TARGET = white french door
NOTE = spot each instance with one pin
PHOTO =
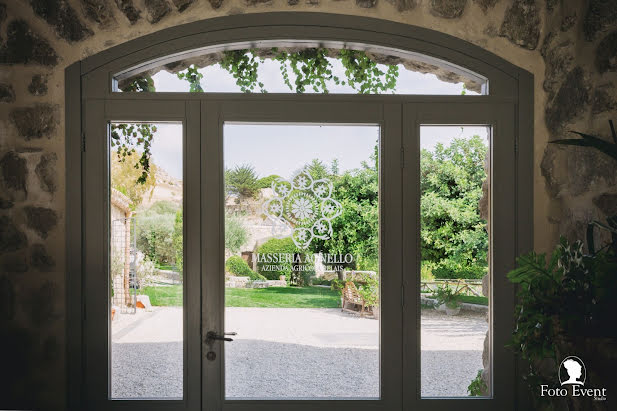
(293, 358)
(289, 358)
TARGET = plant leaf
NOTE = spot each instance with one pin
(590, 141)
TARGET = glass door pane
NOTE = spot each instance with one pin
(302, 268)
(146, 260)
(455, 263)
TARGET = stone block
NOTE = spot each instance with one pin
(558, 60)
(366, 4)
(600, 15)
(47, 172)
(40, 259)
(128, 9)
(486, 285)
(23, 46)
(38, 85)
(486, 4)
(182, 5)
(35, 122)
(607, 203)
(14, 263)
(157, 9)
(449, 9)
(603, 99)
(486, 351)
(570, 101)
(11, 238)
(14, 174)
(62, 17)
(7, 94)
(40, 219)
(98, 11)
(521, 24)
(256, 2)
(404, 5)
(606, 53)
(40, 304)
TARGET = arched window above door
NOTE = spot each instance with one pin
(301, 66)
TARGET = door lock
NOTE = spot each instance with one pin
(212, 336)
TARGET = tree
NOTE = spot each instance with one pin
(155, 232)
(356, 231)
(178, 240)
(453, 234)
(235, 233)
(124, 177)
(241, 181)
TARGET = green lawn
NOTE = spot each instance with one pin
(272, 297)
(165, 295)
(472, 299)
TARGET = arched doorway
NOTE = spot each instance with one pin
(205, 121)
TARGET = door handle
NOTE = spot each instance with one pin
(212, 336)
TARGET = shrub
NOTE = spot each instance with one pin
(236, 234)
(445, 295)
(236, 265)
(177, 240)
(426, 271)
(321, 281)
(145, 271)
(368, 288)
(449, 269)
(477, 387)
(276, 246)
(155, 237)
(266, 182)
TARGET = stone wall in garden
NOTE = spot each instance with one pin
(570, 46)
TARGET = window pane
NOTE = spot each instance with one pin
(301, 238)
(454, 170)
(301, 67)
(146, 260)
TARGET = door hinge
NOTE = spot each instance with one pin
(402, 157)
(402, 295)
(516, 145)
(83, 142)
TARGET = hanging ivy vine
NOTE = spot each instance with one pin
(243, 65)
(193, 77)
(125, 137)
(364, 74)
(311, 68)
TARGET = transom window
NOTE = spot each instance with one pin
(301, 67)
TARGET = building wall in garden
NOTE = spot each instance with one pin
(569, 46)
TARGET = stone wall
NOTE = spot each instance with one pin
(570, 46)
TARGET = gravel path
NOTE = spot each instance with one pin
(285, 353)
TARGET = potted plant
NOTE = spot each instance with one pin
(448, 300)
(566, 306)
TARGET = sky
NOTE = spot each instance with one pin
(219, 80)
(282, 149)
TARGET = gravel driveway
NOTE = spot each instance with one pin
(292, 353)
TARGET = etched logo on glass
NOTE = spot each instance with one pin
(302, 208)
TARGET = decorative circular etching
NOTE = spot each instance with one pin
(302, 208)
